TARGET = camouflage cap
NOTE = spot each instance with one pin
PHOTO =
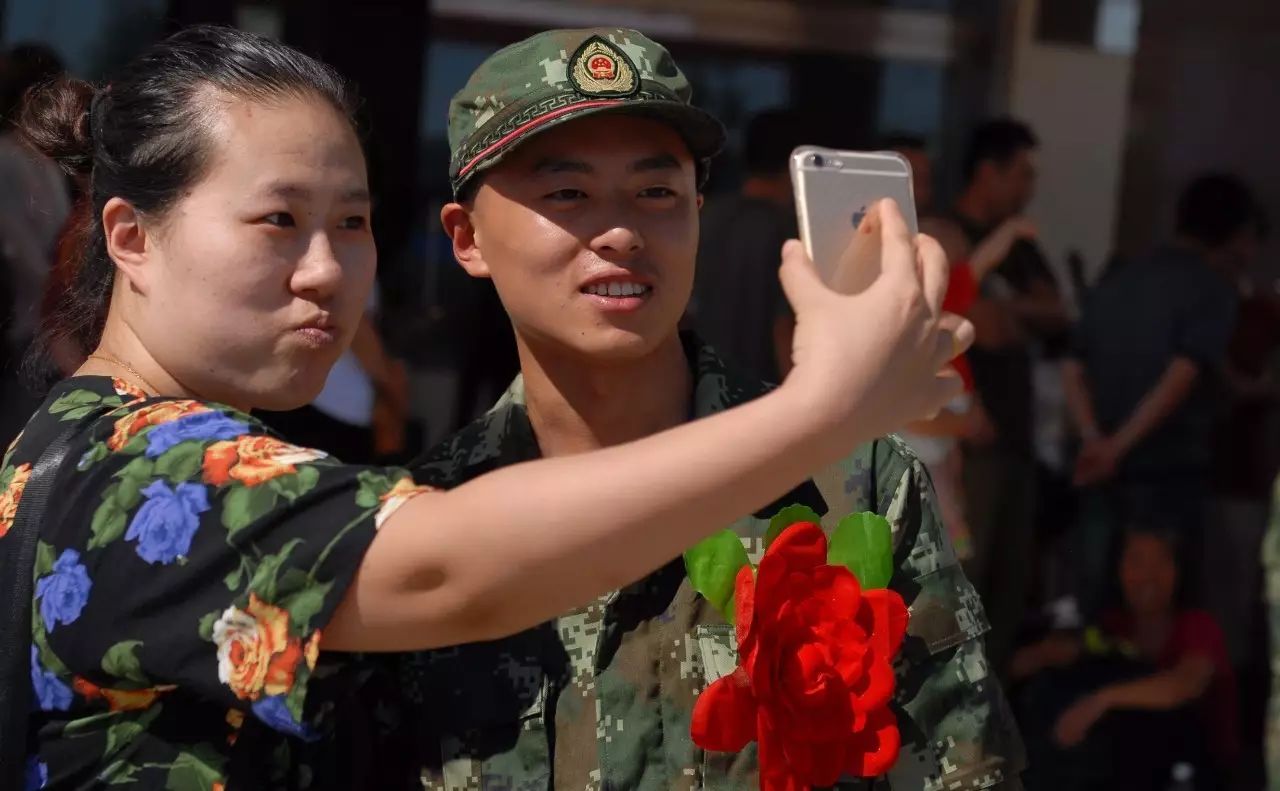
(560, 75)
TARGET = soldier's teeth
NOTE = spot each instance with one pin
(616, 289)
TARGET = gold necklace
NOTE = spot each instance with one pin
(107, 358)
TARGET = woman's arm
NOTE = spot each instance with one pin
(1162, 691)
(512, 548)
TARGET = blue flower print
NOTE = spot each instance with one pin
(37, 774)
(167, 521)
(275, 713)
(49, 691)
(64, 591)
(205, 426)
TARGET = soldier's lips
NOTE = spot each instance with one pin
(617, 295)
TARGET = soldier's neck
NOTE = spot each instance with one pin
(577, 405)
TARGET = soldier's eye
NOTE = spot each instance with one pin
(566, 195)
(657, 192)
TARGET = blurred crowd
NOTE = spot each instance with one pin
(1106, 478)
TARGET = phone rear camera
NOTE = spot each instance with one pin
(816, 160)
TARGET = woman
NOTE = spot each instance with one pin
(198, 581)
(1160, 677)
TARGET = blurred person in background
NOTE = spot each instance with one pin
(34, 205)
(937, 441)
(1150, 686)
(1017, 313)
(1244, 467)
(1147, 373)
(737, 305)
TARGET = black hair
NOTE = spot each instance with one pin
(998, 140)
(770, 138)
(144, 137)
(1215, 207)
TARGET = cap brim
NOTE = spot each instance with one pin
(702, 133)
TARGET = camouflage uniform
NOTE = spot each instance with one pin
(602, 697)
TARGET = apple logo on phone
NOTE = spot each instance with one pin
(858, 215)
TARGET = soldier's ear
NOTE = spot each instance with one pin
(456, 219)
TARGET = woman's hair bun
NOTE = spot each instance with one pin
(55, 121)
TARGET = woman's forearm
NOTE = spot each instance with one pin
(477, 563)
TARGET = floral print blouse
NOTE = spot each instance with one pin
(186, 566)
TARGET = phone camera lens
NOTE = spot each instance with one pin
(816, 160)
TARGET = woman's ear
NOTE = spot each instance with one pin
(127, 241)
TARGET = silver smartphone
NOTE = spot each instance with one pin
(833, 190)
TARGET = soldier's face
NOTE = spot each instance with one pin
(589, 232)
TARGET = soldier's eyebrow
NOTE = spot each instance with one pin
(658, 162)
(558, 165)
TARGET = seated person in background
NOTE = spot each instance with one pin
(1152, 686)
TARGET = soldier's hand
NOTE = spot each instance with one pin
(872, 350)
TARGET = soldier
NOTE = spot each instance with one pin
(577, 168)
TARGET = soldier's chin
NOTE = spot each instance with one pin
(618, 344)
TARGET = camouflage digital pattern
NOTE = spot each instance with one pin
(1271, 570)
(602, 698)
(560, 75)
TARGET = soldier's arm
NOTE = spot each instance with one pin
(957, 729)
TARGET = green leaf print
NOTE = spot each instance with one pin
(40, 637)
(182, 462)
(712, 565)
(232, 580)
(266, 575)
(372, 487)
(96, 453)
(304, 605)
(77, 412)
(244, 505)
(864, 543)
(6, 477)
(121, 661)
(140, 469)
(136, 445)
(109, 520)
(121, 734)
(206, 624)
(120, 773)
(45, 558)
(787, 517)
(291, 487)
(199, 768)
(74, 400)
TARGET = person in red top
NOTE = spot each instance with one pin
(936, 441)
(1184, 648)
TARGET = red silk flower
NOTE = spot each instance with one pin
(815, 676)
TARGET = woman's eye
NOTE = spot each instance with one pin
(566, 195)
(280, 219)
(355, 223)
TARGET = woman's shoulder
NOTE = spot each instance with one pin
(1199, 625)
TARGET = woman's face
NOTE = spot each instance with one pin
(253, 283)
(1148, 575)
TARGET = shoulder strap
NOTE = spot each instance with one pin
(17, 564)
